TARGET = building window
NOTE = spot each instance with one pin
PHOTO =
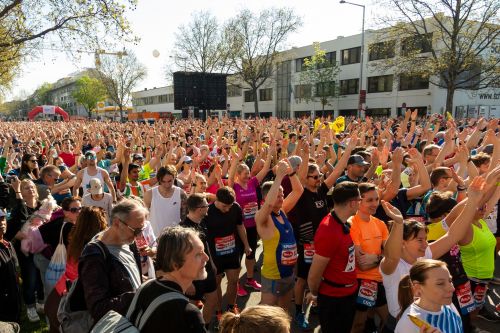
(349, 87)
(163, 99)
(421, 43)
(383, 50)
(249, 96)
(233, 91)
(324, 89)
(303, 91)
(170, 98)
(379, 112)
(351, 56)
(380, 84)
(330, 60)
(299, 64)
(407, 82)
(266, 94)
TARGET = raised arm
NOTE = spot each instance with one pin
(342, 163)
(393, 247)
(262, 215)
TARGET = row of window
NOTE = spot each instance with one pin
(159, 99)
(377, 51)
(264, 95)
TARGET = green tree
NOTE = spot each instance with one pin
(26, 24)
(119, 75)
(255, 42)
(42, 95)
(450, 42)
(88, 92)
(319, 75)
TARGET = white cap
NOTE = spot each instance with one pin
(95, 186)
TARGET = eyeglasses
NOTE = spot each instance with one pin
(90, 157)
(136, 231)
(75, 209)
(33, 161)
(315, 177)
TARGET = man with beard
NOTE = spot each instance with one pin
(84, 176)
(356, 169)
(181, 259)
(109, 267)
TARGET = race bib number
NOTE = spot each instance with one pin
(289, 254)
(350, 260)
(250, 210)
(367, 294)
(480, 295)
(465, 299)
(225, 245)
(308, 252)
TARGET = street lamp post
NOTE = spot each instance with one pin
(361, 57)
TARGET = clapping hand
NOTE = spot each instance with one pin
(392, 212)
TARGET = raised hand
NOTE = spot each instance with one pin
(283, 168)
(392, 212)
(475, 190)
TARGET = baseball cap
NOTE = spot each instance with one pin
(95, 186)
(187, 159)
(136, 157)
(295, 162)
(357, 159)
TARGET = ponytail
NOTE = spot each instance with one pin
(229, 322)
(405, 294)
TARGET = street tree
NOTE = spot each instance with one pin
(255, 42)
(42, 95)
(119, 75)
(451, 43)
(88, 92)
(200, 45)
(318, 78)
(29, 26)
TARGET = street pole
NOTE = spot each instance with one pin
(361, 56)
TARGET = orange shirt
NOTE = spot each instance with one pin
(370, 236)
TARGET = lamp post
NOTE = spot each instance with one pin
(362, 96)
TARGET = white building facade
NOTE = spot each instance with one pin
(386, 95)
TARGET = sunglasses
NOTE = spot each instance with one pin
(75, 209)
(315, 177)
(33, 161)
(90, 157)
(136, 231)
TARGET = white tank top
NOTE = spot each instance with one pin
(165, 212)
(86, 180)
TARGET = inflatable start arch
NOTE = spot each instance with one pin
(48, 109)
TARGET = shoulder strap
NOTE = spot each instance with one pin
(163, 298)
(131, 308)
(61, 233)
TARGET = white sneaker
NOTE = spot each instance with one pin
(40, 308)
(32, 315)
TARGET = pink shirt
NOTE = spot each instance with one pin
(247, 199)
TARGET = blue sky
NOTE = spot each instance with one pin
(156, 21)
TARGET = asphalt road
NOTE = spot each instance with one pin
(253, 298)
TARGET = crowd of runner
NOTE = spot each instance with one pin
(373, 225)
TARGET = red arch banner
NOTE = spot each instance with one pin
(48, 109)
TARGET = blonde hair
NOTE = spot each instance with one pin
(256, 319)
(26, 181)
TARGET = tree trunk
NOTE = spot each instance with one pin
(323, 110)
(450, 92)
(121, 113)
(255, 103)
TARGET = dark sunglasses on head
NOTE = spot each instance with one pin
(75, 209)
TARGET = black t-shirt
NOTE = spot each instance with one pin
(221, 230)
(400, 201)
(176, 315)
(50, 232)
(202, 229)
(308, 213)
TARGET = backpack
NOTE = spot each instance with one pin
(113, 322)
(75, 321)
